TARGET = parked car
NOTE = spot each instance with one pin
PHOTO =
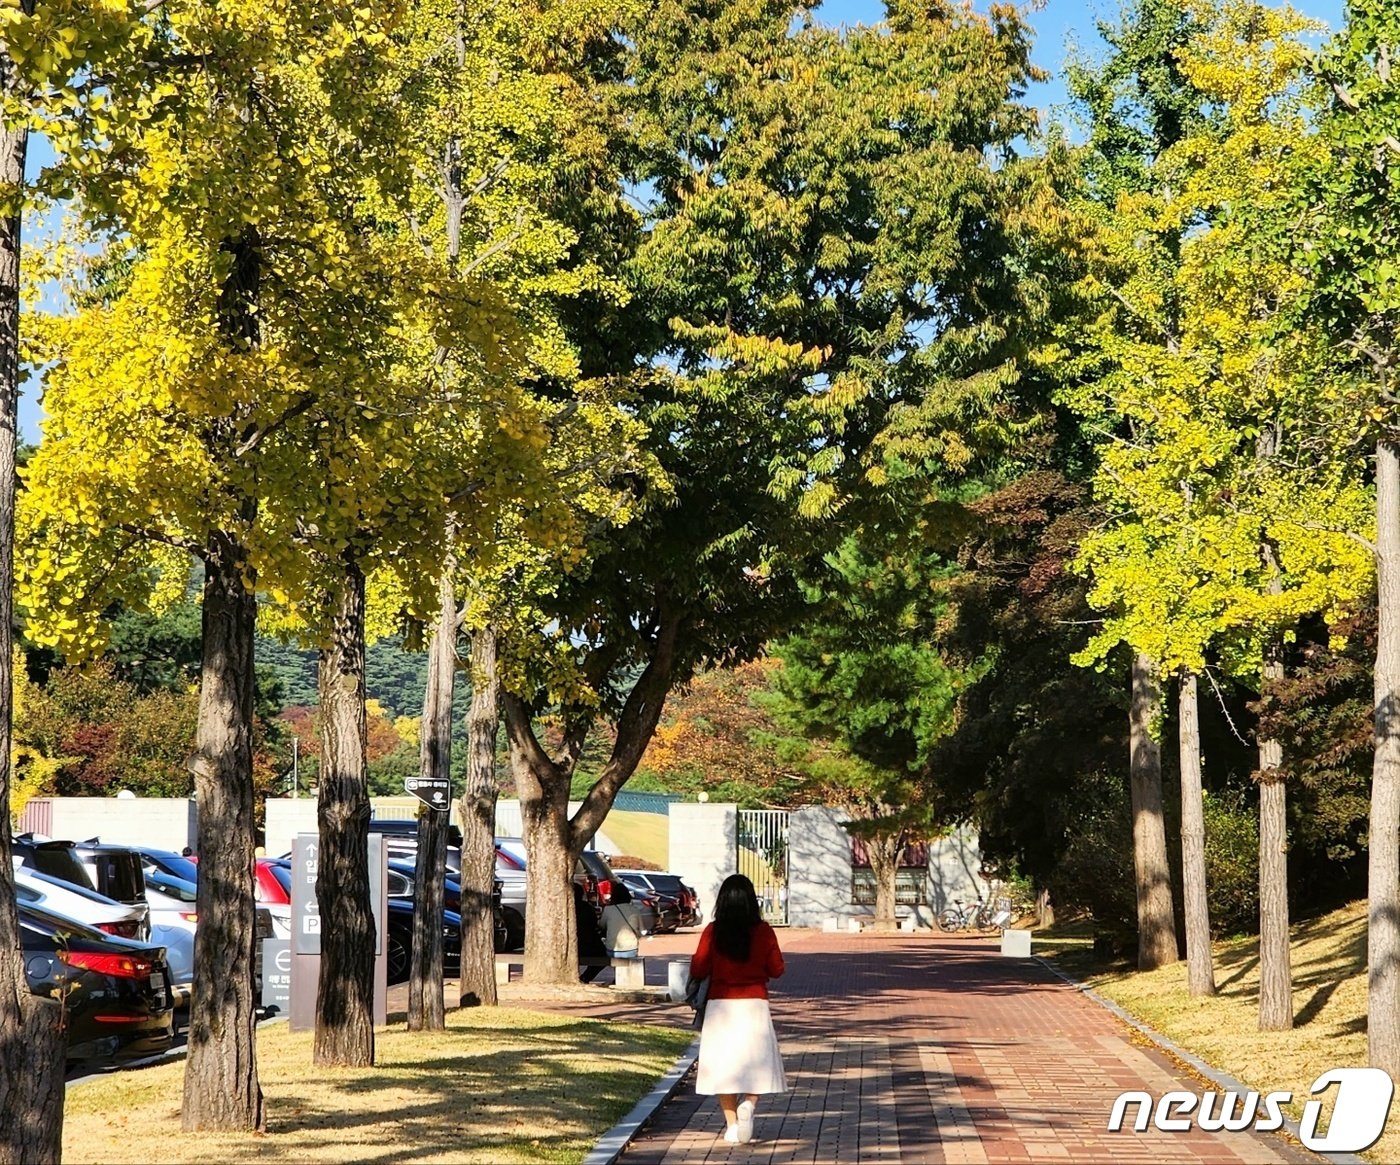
(400, 936)
(660, 914)
(115, 993)
(647, 909)
(116, 872)
(597, 878)
(272, 881)
(401, 841)
(173, 921)
(167, 861)
(403, 878)
(81, 904)
(54, 858)
(687, 900)
(400, 929)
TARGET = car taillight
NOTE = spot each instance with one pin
(121, 929)
(191, 917)
(604, 891)
(121, 966)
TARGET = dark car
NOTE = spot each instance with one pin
(57, 859)
(671, 886)
(400, 930)
(665, 911)
(403, 878)
(116, 871)
(401, 841)
(115, 992)
(401, 940)
(167, 861)
(593, 873)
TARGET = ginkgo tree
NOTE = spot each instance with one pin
(187, 396)
(517, 187)
(1234, 511)
(82, 74)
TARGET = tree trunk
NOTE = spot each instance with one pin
(32, 1045)
(1383, 932)
(1200, 972)
(1275, 964)
(345, 992)
(551, 940)
(884, 854)
(552, 840)
(31, 1083)
(479, 826)
(426, 1005)
(1044, 909)
(1156, 923)
(221, 1072)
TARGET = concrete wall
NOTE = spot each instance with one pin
(953, 864)
(157, 822)
(703, 848)
(819, 867)
(820, 870)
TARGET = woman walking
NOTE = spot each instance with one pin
(739, 1056)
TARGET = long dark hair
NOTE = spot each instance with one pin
(736, 914)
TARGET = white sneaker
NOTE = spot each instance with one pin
(745, 1126)
(731, 1135)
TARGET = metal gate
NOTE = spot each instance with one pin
(763, 859)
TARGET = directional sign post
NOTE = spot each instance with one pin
(434, 792)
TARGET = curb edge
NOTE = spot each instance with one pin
(611, 1144)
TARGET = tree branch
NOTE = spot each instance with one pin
(635, 728)
(164, 539)
(253, 436)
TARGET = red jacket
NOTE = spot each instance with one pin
(730, 979)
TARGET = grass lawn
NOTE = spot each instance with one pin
(1329, 1007)
(499, 1084)
(641, 835)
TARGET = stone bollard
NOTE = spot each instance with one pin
(1016, 943)
(677, 973)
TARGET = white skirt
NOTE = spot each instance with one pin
(739, 1049)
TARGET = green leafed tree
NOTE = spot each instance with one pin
(864, 679)
(1352, 240)
(831, 293)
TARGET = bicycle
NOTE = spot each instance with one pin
(965, 917)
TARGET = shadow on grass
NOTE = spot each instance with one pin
(501, 1089)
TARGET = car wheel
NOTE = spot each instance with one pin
(400, 942)
(515, 929)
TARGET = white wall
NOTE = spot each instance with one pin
(953, 865)
(703, 847)
(156, 822)
(819, 867)
(820, 870)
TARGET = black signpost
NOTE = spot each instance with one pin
(434, 792)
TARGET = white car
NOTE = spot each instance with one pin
(86, 906)
(173, 920)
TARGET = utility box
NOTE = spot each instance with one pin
(1016, 943)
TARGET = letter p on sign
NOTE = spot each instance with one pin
(1358, 1117)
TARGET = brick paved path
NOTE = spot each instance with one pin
(916, 1049)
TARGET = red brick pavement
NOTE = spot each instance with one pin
(935, 1049)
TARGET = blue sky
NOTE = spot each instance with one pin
(1057, 24)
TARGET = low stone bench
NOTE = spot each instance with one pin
(626, 972)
